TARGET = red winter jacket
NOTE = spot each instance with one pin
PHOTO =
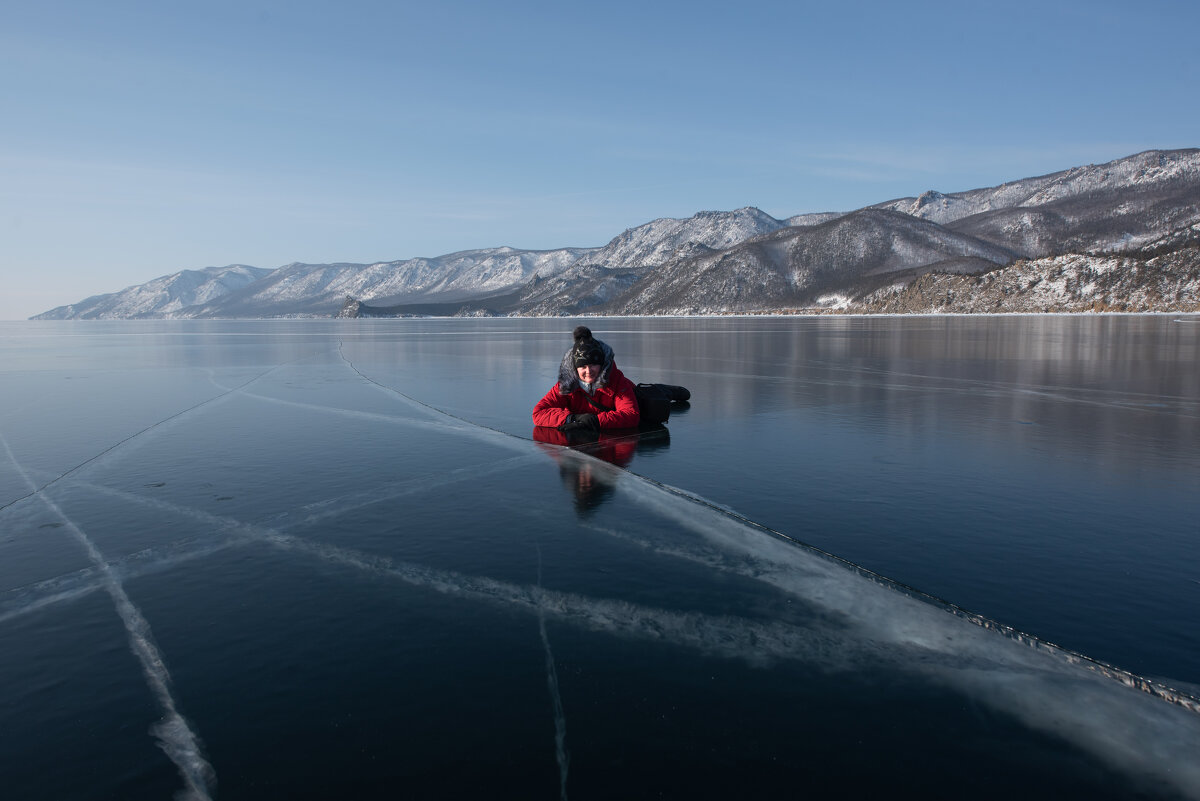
(616, 395)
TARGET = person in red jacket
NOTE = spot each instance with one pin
(591, 393)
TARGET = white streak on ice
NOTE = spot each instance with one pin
(463, 426)
(73, 586)
(334, 507)
(728, 637)
(172, 731)
(124, 445)
(868, 624)
(356, 414)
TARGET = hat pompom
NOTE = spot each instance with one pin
(582, 332)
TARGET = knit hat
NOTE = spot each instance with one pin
(587, 350)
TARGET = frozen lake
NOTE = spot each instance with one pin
(950, 557)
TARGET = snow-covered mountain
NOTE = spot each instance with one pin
(163, 297)
(742, 260)
(1153, 170)
(321, 289)
(1071, 283)
(1124, 204)
(795, 265)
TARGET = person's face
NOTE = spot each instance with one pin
(588, 373)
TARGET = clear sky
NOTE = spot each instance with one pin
(142, 138)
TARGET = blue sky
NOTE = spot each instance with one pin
(142, 138)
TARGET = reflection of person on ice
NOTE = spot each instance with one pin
(584, 477)
(591, 393)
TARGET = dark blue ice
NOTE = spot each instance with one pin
(306, 558)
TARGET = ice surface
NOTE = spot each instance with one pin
(173, 732)
(360, 470)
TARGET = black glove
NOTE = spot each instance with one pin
(584, 421)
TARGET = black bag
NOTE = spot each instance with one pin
(654, 402)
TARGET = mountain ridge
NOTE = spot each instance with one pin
(724, 262)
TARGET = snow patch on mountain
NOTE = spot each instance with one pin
(815, 218)
(661, 240)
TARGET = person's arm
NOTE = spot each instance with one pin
(626, 414)
(553, 409)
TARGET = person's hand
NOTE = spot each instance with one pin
(583, 421)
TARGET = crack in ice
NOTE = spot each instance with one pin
(172, 731)
(35, 489)
(560, 718)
